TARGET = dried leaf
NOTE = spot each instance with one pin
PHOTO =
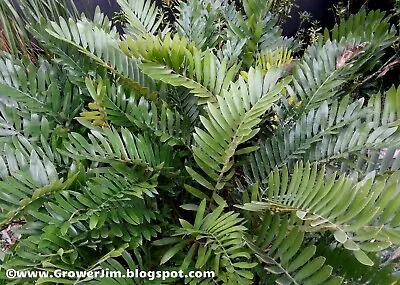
(349, 54)
(388, 67)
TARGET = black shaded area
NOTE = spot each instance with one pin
(108, 7)
(323, 12)
(320, 10)
(383, 5)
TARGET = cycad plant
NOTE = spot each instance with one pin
(202, 144)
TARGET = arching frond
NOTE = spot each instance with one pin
(102, 46)
(110, 146)
(232, 121)
(342, 135)
(360, 215)
(179, 63)
(321, 73)
(110, 206)
(373, 27)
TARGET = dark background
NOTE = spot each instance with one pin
(320, 10)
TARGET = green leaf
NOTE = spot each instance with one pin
(189, 207)
(173, 251)
(166, 241)
(200, 179)
(340, 236)
(185, 224)
(94, 219)
(247, 150)
(363, 258)
(200, 214)
(195, 192)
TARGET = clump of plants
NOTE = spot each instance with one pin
(202, 144)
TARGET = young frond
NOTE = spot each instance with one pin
(275, 58)
(176, 62)
(117, 105)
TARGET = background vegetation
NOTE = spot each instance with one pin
(210, 142)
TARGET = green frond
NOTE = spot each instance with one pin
(26, 180)
(373, 27)
(381, 273)
(179, 63)
(117, 146)
(102, 46)
(186, 103)
(143, 17)
(120, 211)
(195, 141)
(382, 156)
(274, 58)
(16, 148)
(360, 215)
(258, 27)
(30, 85)
(110, 206)
(116, 264)
(197, 22)
(232, 49)
(365, 37)
(286, 257)
(39, 88)
(323, 70)
(231, 122)
(343, 135)
(14, 121)
(119, 106)
(217, 239)
(257, 9)
(316, 79)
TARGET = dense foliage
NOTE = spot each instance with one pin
(200, 144)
